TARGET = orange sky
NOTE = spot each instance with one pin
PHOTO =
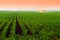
(29, 4)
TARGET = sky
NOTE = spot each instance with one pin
(29, 4)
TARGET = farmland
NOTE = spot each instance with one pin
(22, 25)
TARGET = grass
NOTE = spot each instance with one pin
(32, 25)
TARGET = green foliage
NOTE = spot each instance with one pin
(43, 26)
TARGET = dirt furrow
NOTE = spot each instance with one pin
(4, 25)
(18, 28)
(29, 32)
(9, 27)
